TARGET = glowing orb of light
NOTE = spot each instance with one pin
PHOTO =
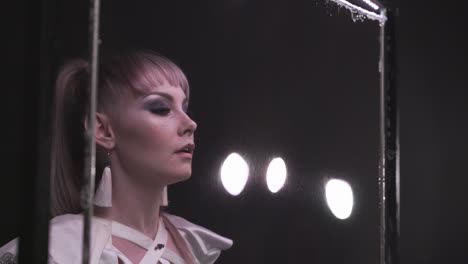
(339, 197)
(276, 175)
(234, 174)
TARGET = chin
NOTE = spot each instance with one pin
(181, 176)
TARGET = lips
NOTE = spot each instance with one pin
(189, 148)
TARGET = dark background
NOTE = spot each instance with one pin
(297, 79)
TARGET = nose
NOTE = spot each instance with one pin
(188, 126)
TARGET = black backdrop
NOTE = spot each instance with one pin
(241, 57)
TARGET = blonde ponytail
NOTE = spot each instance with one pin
(70, 104)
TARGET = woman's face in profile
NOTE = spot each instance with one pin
(154, 136)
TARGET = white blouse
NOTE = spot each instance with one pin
(65, 242)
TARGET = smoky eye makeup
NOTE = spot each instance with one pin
(157, 106)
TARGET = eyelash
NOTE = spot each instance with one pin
(161, 111)
(164, 110)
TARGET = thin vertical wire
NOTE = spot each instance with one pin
(389, 182)
(87, 194)
(382, 193)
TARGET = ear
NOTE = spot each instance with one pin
(103, 131)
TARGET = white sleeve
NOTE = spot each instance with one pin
(8, 253)
(205, 245)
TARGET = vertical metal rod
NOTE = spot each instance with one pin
(87, 194)
(389, 177)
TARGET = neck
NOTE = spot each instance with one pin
(133, 204)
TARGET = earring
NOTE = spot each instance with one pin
(164, 200)
(103, 195)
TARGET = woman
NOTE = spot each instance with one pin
(145, 141)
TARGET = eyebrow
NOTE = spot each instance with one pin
(167, 96)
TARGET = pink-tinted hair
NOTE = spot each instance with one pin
(121, 75)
